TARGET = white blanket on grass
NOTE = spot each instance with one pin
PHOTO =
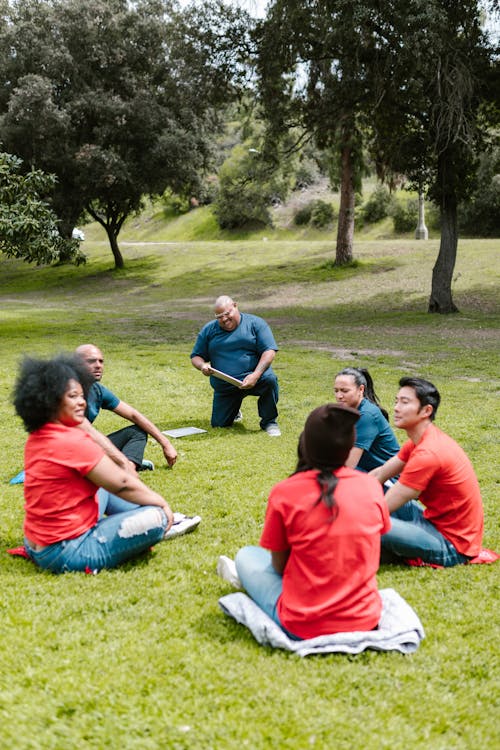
(399, 628)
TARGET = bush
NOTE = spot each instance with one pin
(307, 173)
(319, 213)
(322, 214)
(480, 215)
(303, 215)
(377, 206)
(248, 185)
(405, 215)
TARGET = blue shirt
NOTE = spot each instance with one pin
(234, 352)
(99, 398)
(375, 436)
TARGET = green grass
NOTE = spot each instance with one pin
(142, 657)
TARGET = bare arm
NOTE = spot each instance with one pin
(354, 457)
(109, 449)
(265, 361)
(398, 495)
(126, 485)
(128, 412)
(201, 365)
(391, 468)
(279, 560)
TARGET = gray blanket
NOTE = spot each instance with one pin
(399, 628)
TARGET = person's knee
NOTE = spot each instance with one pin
(251, 558)
(142, 521)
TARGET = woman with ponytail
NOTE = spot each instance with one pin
(375, 441)
(315, 570)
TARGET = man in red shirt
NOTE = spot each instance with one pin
(432, 467)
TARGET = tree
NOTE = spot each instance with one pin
(411, 78)
(432, 119)
(316, 64)
(28, 226)
(116, 98)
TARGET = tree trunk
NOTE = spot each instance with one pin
(113, 241)
(442, 274)
(345, 228)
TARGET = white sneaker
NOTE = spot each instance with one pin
(238, 417)
(182, 525)
(272, 429)
(146, 465)
(226, 569)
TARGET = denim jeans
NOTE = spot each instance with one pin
(125, 532)
(131, 441)
(412, 535)
(259, 579)
(227, 401)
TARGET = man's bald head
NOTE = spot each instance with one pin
(227, 313)
(92, 358)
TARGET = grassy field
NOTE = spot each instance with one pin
(142, 657)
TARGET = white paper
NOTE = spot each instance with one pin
(182, 431)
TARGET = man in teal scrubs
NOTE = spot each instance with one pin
(241, 345)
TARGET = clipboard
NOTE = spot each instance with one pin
(228, 378)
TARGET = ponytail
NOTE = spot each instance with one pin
(328, 482)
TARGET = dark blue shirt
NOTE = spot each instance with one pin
(99, 398)
(234, 352)
(375, 436)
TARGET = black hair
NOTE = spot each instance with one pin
(426, 392)
(328, 482)
(302, 464)
(325, 478)
(41, 384)
(362, 377)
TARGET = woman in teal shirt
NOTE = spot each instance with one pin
(375, 441)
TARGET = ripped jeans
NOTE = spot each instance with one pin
(125, 532)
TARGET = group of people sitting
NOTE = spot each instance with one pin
(355, 497)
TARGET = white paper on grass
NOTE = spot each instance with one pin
(182, 431)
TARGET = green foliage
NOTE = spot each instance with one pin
(480, 215)
(248, 186)
(142, 657)
(319, 213)
(404, 214)
(322, 214)
(303, 215)
(28, 226)
(117, 99)
(377, 206)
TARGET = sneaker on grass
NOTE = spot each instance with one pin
(146, 465)
(226, 569)
(238, 417)
(182, 525)
(272, 429)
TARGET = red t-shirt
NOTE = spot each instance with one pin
(329, 582)
(441, 471)
(60, 503)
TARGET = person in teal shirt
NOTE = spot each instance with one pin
(241, 345)
(375, 440)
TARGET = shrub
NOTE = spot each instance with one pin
(404, 215)
(480, 215)
(377, 205)
(322, 214)
(303, 215)
(306, 174)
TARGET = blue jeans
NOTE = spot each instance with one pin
(227, 401)
(260, 580)
(131, 441)
(125, 532)
(412, 535)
